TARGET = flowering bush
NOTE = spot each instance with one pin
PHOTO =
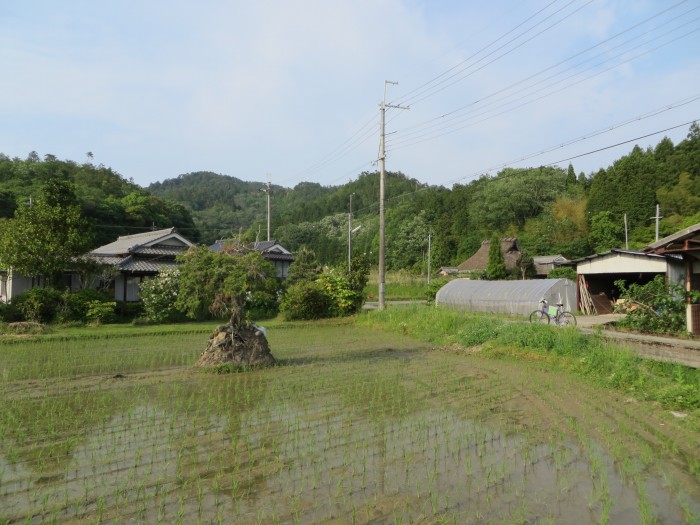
(158, 296)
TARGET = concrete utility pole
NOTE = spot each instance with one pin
(382, 160)
(658, 217)
(428, 258)
(350, 232)
(268, 189)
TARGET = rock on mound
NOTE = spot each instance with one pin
(241, 346)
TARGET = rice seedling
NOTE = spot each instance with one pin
(355, 425)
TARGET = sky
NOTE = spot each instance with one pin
(291, 90)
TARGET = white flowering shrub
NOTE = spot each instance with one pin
(158, 296)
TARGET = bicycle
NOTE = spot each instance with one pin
(547, 314)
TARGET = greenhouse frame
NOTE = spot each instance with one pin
(507, 297)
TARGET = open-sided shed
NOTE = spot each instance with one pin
(508, 297)
(598, 273)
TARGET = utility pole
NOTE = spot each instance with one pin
(658, 217)
(268, 189)
(382, 161)
(626, 243)
(350, 233)
(428, 258)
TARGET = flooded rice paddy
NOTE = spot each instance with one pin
(355, 426)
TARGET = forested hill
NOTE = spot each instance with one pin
(223, 205)
(549, 209)
(111, 204)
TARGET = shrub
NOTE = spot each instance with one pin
(306, 300)
(75, 305)
(562, 272)
(261, 305)
(434, 288)
(128, 312)
(653, 307)
(39, 304)
(344, 300)
(9, 313)
(99, 312)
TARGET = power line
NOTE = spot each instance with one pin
(419, 88)
(465, 122)
(510, 163)
(520, 82)
(503, 101)
(456, 78)
(363, 134)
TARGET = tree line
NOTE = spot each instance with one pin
(549, 209)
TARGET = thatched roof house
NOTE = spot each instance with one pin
(480, 260)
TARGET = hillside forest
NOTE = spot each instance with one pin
(549, 209)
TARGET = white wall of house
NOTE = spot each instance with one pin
(17, 284)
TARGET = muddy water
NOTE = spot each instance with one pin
(381, 437)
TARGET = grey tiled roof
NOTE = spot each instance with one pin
(127, 243)
(160, 250)
(131, 264)
(142, 252)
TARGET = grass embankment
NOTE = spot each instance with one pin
(589, 356)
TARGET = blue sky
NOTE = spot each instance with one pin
(159, 88)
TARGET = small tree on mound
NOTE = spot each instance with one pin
(220, 283)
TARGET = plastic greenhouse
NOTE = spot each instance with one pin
(508, 297)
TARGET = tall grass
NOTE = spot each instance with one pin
(401, 285)
(590, 356)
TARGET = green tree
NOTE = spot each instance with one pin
(496, 267)
(525, 264)
(514, 196)
(357, 279)
(304, 268)
(606, 233)
(627, 187)
(42, 239)
(682, 199)
(8, 204)
(220, 283)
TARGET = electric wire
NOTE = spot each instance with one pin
(503, 165)
(607, 40)
(458, 77)
(424, 85)
(362, 135)
(464, 122)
